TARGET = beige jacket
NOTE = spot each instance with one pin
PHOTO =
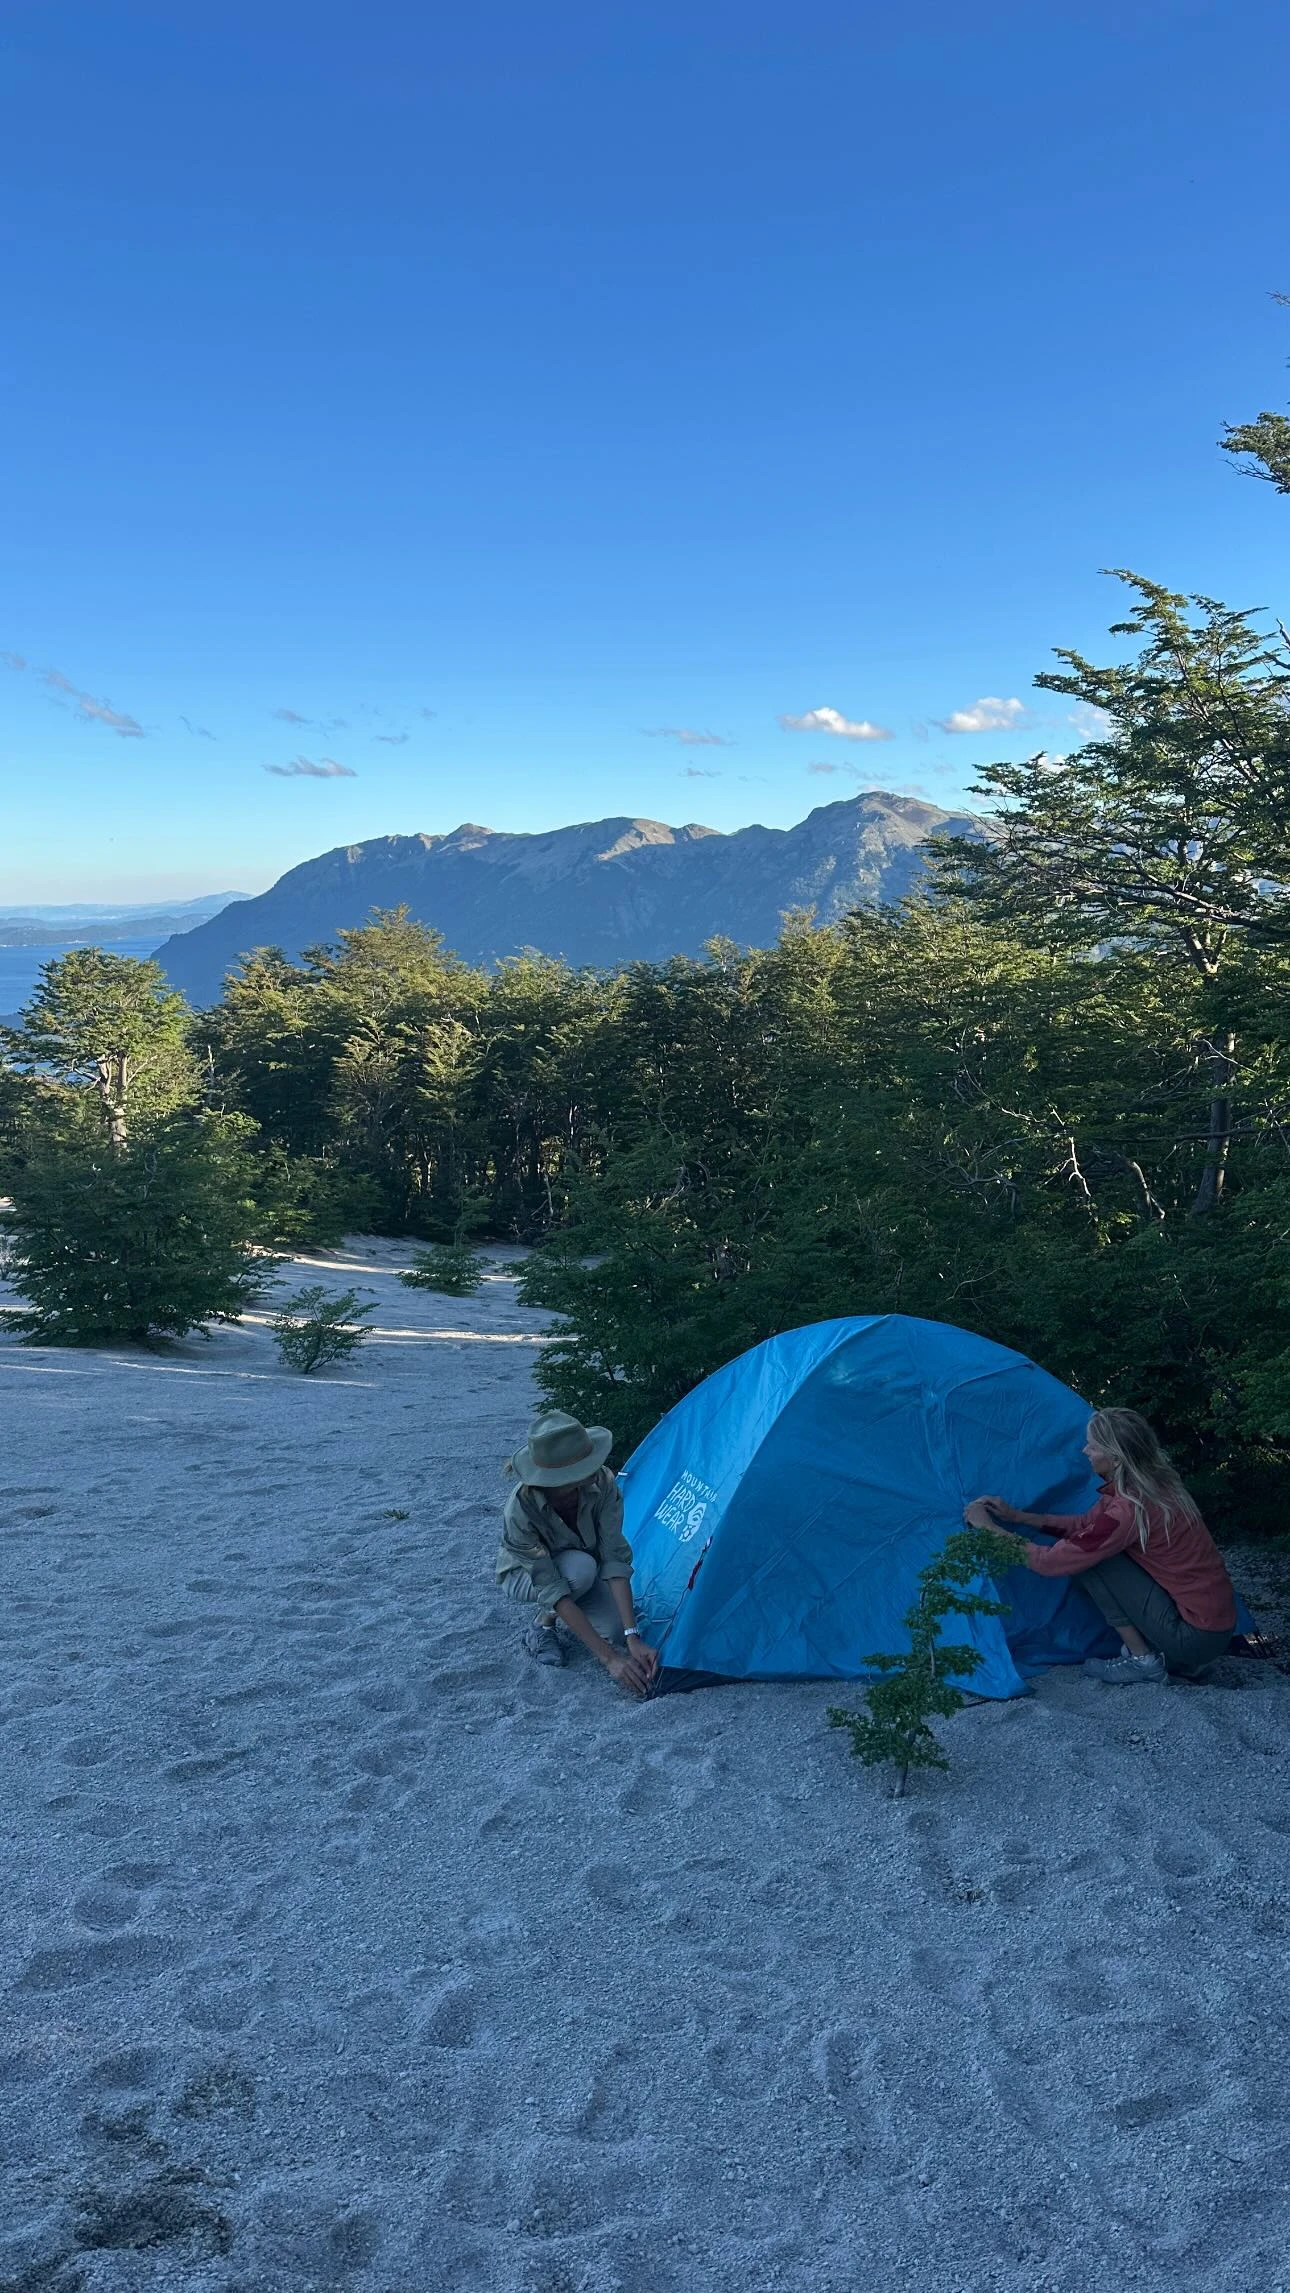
(532, 1532)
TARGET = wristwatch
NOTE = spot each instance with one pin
(631, 1632)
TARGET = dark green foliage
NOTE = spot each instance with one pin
(109, 1245)
(313, 1200)
(965, 1127)
(111, 1023)
(912, 1689)
(452, 1267)
(315, 1327)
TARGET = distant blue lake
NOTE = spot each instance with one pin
(20, 966)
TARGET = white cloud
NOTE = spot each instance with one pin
(304, 768)
(687, 736)
(1090, 723)
(14, 660)
(833, 721)
(701, 772)
(821, 766)
(989, 714)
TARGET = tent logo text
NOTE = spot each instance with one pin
(684, 1506)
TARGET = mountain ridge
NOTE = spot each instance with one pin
(596, 892)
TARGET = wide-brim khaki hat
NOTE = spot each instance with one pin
(560, 1451)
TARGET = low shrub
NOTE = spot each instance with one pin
(893, 1729)
(452, 1267)
(317, 1327)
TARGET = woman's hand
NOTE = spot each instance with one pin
(989, 1512)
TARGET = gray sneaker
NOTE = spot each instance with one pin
(1126, 1671)
(542, 1642)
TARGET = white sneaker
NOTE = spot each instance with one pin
(1126, 1671)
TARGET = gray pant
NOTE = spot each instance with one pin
(1127, 1595)
(586, 1585)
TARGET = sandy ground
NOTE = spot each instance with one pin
(343, 1946)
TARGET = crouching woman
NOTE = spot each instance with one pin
(563, 1548)
(1142, 1553)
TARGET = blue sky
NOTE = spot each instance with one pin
(481, 399)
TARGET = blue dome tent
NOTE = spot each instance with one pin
(780, 1514)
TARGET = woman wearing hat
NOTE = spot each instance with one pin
(563, 1547)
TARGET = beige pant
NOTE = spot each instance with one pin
(586, 1585)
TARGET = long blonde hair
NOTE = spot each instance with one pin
(1140, 1470)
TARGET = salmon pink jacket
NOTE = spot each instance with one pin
(1181, 1555)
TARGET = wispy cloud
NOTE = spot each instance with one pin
(687, 736)
(312, 724)
(1090, 723)
(701, 772)
(833, 721)
(393, 739)
(89, 708)
(199, 732)
(304, 768)
(821, 765)
(427, 713)
(92, 711)
(102, 713)
(990, 714)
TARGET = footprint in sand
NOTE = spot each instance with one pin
(225, 2089)
(135, 1875)
(1177, 1863)
(842, 2060)
(610, 2109)
(69, 1965)
(1083, 1995)
(648, 1791)
(129, 2069)
(157, 2212)
(106, 1906)
(1154, 2108)
(86, 1751)
(616, 1887)
(204, 1765)
(506, 1822)
(449, 2019)
(387, 1699)
(220, 2008)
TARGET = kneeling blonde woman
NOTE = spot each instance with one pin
(1142, 1553)
(563, 1548)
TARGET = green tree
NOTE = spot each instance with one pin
(1169, 830)
(111, 1022)
(108, 1244)
(894, 1729)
